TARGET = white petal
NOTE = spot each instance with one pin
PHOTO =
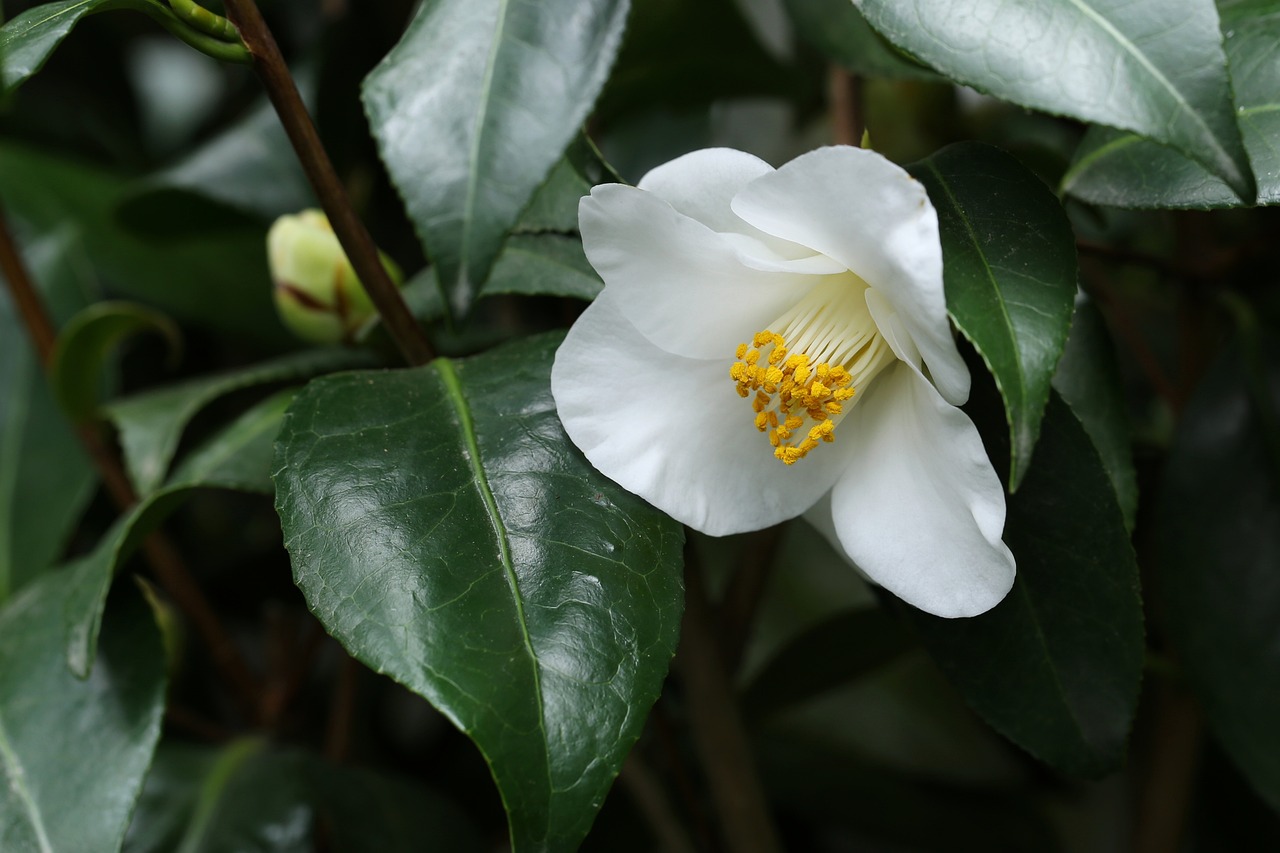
(702, 184)
(920, 508)
(865, 212)
(682, 285)
(674, 431)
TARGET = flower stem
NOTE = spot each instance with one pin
(354, 237)
(164, 559)
(719, 735)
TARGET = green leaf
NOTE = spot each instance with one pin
(45, 475)
(1124, 170)
(1155, 67)
(472, 109)
(237, 458)
(223, 274)
(151, 423)
(85, 345)
(840, 33)
(1009, 264)
(546, 265)
(73, 753)
(445, 530)
(249, 167)
(554, 207)
(248, 796)
(1218, 528)
(1088, 379)
(32, 37)
(1056, 666)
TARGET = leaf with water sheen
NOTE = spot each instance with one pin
(473, 108)
(1056, 666)
(1124, 170)
(1155, 67)
(1009, 264)
(73, 753)
(446, 531)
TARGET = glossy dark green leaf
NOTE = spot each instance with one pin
(224, 280)
(237, 458)
(1009, 263)
(1056, 666)
(1088, 379)
(445, 530)
(472, 109)
(1155, 67)
(546, 265)
(151, 423)
(554, 207)
(73, 753)
(1218, 527)
(831, 653)
(45, 476)
(86, 344)
(31, 37)
(838, 30)
(1125, 170)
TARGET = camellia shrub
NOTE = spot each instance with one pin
(639, 425)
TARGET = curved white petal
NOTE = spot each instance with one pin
(919, 507)
(702, 184)
(862, 210)
(682, 285)
(674, 431)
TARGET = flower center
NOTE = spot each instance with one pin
(803, 379)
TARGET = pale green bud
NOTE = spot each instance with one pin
(317, 293)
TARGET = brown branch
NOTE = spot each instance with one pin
(1170, 773)
(337, 739)
(846, 106)
(164, 559)
(647, 793)
(351, 233)
(719, 735)
(737, 611)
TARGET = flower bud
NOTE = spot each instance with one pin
(317, 293)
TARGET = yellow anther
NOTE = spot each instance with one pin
(762, 421)
(741, 351)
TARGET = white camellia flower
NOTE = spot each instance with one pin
(775, 342)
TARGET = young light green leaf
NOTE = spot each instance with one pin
(151, 423)
(86, 343)
(1155, 67)
(445, 530)
(1056, 666)
(237, 458)
(73, 753)
(1124, 170)
(1088, 379)
(45, 475)
(1009, 263)
(1218, 527)
(472, 109)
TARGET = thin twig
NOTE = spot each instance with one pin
(351, 233)
(717, 729)
(164, 559)
(1170, 773)
(337, 740)
(847, 118)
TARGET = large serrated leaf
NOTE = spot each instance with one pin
(1155, 67)
(1124, 170)
(472, 109)
(73, 753)
(1009, 263)
(1056, 666)
(45, 475)
(445, 530)
(28, 40)
(1218, 526)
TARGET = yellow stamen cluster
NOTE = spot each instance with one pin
(788, 393)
